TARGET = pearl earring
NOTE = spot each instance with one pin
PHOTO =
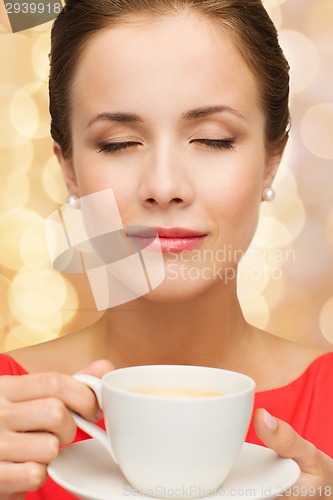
(72, 201)
(268, 194)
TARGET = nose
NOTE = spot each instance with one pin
(165, 182)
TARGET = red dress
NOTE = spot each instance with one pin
(306, 403)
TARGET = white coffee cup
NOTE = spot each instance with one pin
(174, 444)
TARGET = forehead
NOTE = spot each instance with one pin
(181, 60)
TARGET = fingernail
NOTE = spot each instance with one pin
(99, 414)
(270, 421)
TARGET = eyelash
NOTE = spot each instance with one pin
(217, 143)
(114, 147)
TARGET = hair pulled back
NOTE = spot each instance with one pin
(246, 21)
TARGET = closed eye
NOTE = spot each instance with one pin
(217, 143)
(113, 147)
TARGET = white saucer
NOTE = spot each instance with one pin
(87, 471)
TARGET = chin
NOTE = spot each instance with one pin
(179, 290)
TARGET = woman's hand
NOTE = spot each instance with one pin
(316, 479)
(35, 421)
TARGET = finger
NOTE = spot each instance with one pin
(14, 496)
(72, 393)
(50, 415)
(18, 478)
(98, 368)
(23, 447)
(282, 438)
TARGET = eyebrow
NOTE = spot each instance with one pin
(188, 115)
(210, 110)
(116, 117)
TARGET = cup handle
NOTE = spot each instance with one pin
(95, 384)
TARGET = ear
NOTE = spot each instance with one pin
(67, 169)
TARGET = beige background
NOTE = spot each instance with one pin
(286, 283)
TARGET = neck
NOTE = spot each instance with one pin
(209, 330)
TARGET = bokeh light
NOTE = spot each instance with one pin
(16, 67)
(303, 58)
(313, 257)
(39, 56)
(281, 223)
(274, 11)
(22, 336)
(4, 21)
(33, 247)
(16, 160)
(319, 21)
(42, 299)
(25, 114)
(9, 136)
(326, 320)
(53, 182)
(317, 130)
(12, 225)
(255, 307)
(5, 316)
(273, 3)
(27, 293)
(14, 192)
(329, 226)
(315, 172)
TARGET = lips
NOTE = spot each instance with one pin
(174, 239)
(177, 232)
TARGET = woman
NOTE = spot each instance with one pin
(182, 109)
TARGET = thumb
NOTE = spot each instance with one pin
(282, 438)
(98, 368)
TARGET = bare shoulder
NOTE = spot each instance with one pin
(287, 361)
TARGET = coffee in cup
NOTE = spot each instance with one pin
(173, 392)
(181, 435)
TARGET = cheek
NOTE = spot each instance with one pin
(234, 204)
(93, 175)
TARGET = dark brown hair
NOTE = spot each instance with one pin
(246, 20)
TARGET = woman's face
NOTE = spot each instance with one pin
(166, 113)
